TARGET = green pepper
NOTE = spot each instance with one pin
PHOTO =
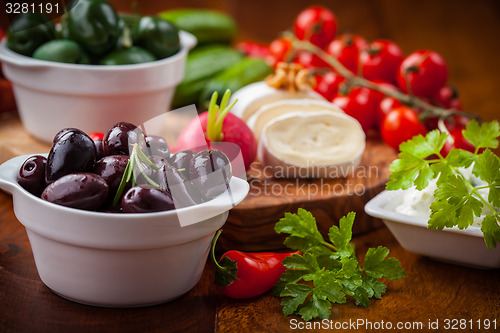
(158, 36)
(94, 24)
(128, 56)
(28, 31)
(62, 50)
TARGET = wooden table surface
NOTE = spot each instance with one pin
(467, 35)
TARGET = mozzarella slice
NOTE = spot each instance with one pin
(320, 144)
(253, 96)
(268, 112)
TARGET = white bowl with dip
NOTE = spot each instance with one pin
(463, 247)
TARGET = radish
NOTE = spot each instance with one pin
(219, 125)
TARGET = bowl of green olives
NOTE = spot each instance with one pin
(92, 70)
(121, 221)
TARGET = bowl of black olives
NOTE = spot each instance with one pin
(121, 221)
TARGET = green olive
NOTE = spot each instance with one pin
(128, 56)
(62, 50)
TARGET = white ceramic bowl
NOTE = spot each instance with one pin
(52, 95)
(463, 247)
(118, 260)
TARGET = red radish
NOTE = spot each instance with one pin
(220, 126)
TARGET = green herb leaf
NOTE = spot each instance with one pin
(376, 287)
(328, 272)
(315, 308)
(482, 136)
(377, 265)
(405, 170)
(328, 287)
(491, 231)
(487, 167)
(423, 147)
(454, 198)
(340, 237)
(304, 234)
(295, 294)
(305, 263)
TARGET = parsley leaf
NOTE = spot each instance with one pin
(491, 231)
(377, 265)
(455, 200)
(305, 234)
(423, 147)
(328, 272)
(482, 136)
(487, 167)
(412, 168)
(340, 237)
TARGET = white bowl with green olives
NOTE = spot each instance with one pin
(96, 244)
(92, 95)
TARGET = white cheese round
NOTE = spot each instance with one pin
(268, 112)
(253, 96)
(319, 144)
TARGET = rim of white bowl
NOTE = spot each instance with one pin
(187, 41)
(217, 203)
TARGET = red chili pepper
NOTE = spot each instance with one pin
(246, 275)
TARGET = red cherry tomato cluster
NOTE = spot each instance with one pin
(423, 74)
(7, 101)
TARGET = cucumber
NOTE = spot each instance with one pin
(243, 73)
(208, 26)
(202, 64)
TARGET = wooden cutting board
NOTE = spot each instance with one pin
(250, 226)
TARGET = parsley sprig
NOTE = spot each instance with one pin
(328, 271)
(457, 200)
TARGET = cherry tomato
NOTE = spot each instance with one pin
(386, 105)
(360, 103)
(424, 72)
(309, 60)
(381, 60)
(400, 125)
(327, 85)
(456, 140)
(447, 97)
(316, 24)
(96, 136)
(346, 48)
(7, 100)
(363, 103)
(280, 49)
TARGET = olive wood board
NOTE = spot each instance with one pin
(250, 225)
